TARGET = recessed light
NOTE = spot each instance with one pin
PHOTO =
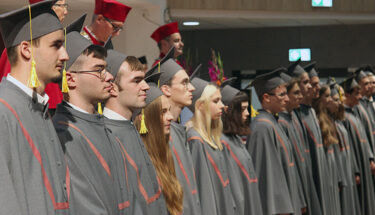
(190, 23)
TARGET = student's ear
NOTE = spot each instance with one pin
(166, 90)
(24, 49)
(71, 80)
(266, 98)
(199, 105)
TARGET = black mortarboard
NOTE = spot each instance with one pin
(295, 70)
(310, 69)
(286, 77)
(75, 42)
(331, 82)
(114, 61)
(265, 83)
(15, 25)
(199, 85)
(196, 72)
(368, 70)
(143, 59)
(227, 94)
(359, 74)
(348, 84)
(155, 68)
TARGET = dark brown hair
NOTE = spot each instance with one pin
(161, 156)
(134, 64)
(232, 118)
(327, 125)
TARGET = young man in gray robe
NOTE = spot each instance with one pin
(272, 153)
(174, 83)
(128, 95)
(360, 145)
(34, 177)
(98, 169)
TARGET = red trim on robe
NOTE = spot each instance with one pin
(140, 185)
(37, 155)
(125, 204)
(93, 148)
(183, 170)
(356, 131)
(300, 134)
(279, 138)
(311, 134)
(243, 169)
(224, 183)
(294, 142)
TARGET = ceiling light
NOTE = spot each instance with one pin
(190, 23)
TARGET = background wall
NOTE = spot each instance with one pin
(267, 48)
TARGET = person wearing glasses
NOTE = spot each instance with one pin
(271, 150)
(52, 89)
(107, 21)
(97, 168)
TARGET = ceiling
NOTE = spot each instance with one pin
(259, 19)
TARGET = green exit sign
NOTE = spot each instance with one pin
(322, 3)
(303, 54)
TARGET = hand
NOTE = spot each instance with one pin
(357, 179)
(372, 165)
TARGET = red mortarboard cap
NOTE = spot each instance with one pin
(164, 31)
(34, 1)
(112, 9)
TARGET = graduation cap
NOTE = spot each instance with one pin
(265, 83)
(114, 60)
(112, 9)
(15, 25)
(164, 31)
(75, 42)
(27, 24)
(310, 69)
(368, 70)
(228, 92)
(359, 74)
(199, 85)
(143, 59)
(295, 70)
(35, 1)
(349, 84)
(286, 77)
(331, 82)
(168, 67)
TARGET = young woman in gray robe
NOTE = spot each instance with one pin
(244, 181)
(209, 158)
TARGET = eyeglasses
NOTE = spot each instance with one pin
(102, 73)
(115, 27)
(61, 5)
(185, 83)
(281, 95)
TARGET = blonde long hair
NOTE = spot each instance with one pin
(161, 156)
(210, 130)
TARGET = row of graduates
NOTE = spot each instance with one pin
(312, 143)
(132, 157)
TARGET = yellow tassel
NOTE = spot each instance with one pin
(64, 86)
(340, 95)
(143, 129)
(159, 72)
(100, 111)
(254, 112)
(33, 81)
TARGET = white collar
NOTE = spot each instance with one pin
(77, 108)
(41, 99)
(110, 114)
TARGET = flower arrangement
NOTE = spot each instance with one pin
(216, 69)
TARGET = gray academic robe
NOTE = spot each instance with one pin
(96, 164)
(365, 114)
(34, 178)
(211, 167)
(183, 163)
(319, 167)
(267, 148)
(142, 175)
(288, 122)
(335, 180)
(363, 155)
(244, 181)
(347, 166)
